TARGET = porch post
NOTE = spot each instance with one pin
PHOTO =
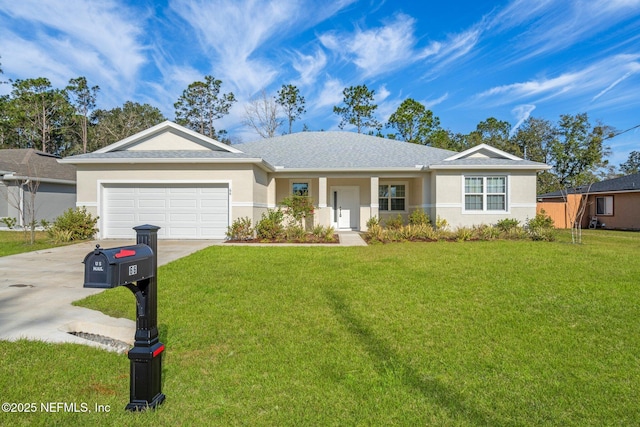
(323, 210)
(375, 206)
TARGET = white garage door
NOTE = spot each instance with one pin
(183, 211)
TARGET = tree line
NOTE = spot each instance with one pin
(67, 121)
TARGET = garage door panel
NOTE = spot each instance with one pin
(183, 204)
(152, 217)
(182, 211)
(183, 217)
(158, 204)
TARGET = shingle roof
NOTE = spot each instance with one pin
(342, 150)
(623, 183)
(28, 162)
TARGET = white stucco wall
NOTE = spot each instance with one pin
(448, 189)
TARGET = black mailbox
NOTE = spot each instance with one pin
(108, 268)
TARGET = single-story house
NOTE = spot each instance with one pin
(614, 203)
(195, 187)
(29, 176)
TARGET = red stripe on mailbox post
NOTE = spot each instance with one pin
(158, 350)
(125, 253)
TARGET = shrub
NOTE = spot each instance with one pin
(295, 232)
(486, 232)
(441, 224)
(240, 229)
(394, 223)
(374, 220)
(463, 234)
(76, 223)
(270, 225)
(298, 207)
(541, 227)
(419, 217)
(60, 236)
(507, 224)
(325, 234)
(375, 233)
(9, 222)
(541, 220)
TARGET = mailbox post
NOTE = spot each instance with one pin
(135, 268)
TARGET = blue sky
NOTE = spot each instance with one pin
(466, 60)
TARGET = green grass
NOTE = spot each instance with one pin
(502, 333)
(13, 242)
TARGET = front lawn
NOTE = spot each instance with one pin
(500, 333)
(13, 242)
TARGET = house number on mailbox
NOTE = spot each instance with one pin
(133, 269)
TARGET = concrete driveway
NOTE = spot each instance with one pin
(37, 289)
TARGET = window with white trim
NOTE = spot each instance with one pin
(604, 205)
(392, 197)
(485, 193)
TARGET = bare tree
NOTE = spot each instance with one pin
(576, 208)
(22, 197)
(261, 114)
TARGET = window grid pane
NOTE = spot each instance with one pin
(397, 204)
(495, 203)
(384, 204)
(473, 185)
(473, 203)
(495, 185)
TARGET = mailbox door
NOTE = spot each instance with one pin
(97, 272)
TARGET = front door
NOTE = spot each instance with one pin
(346, 207)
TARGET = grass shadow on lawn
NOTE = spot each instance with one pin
(385, 359)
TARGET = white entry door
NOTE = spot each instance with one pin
(346, 207)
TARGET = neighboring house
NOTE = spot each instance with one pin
(614, 203)
(28, 175)
(194, 187)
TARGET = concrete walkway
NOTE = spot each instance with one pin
(351, 238)
(37, 289)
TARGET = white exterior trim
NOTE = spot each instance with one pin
(163, 127)
(484, 210)
(481, 147)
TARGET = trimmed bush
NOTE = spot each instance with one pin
(240, 229)
(507, 224)
(419, 217)
(394, 223)
(73, 224)
(271, 225)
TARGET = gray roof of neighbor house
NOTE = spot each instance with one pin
(627, 183)
(30, 163)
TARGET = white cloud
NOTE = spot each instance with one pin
(379, 50)
(553, 26)
(522, 113)
(309, 66)
(429, 104)
(596, 78)
(236, 31)
(330, 95)
(102, 34)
